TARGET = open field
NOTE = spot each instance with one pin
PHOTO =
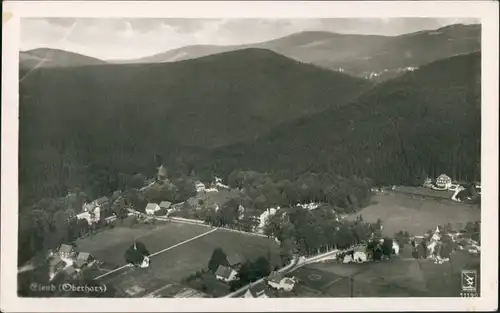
(402, 212)
(174, 265)
(110, 245)
(399, 277)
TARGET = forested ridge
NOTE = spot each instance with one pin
(424, 123)
(114, 118)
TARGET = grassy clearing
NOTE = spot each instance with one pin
(110, 246)
(175, 265)
(402, 212)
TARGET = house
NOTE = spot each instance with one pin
(443, 182)
(211, 189)
(66, 251)
(56, 263)
(110, 219)
(101, 201)
(278, 281)
(162, 173)
(85, 257)
(225, 273)
(200, 187)
(87, 206)
(165, 205)
(258, 291)
(266, 215)
(309, 206)
(151, 208)
(145, 262)
(360, 254)
(85, 216)
(395, 247)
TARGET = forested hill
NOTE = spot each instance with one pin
(121, 115)
(45, 57)
(425, 122)
(359, 55)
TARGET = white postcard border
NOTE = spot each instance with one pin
(487, 11)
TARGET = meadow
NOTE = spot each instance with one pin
(416, 215)
(174, 265)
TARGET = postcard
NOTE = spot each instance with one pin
(249, 156)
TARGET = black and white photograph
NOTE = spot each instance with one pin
(273, 158)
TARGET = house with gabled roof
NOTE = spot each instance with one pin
(151, 208)
(278, 281)
(101, 201)
(165, 205)
(56, 263)
(257, 291)
(82, 259)
(66, 251)
(225, 273)
(443, 182)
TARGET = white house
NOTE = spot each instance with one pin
(221, 185)
(309, 206)
(395, 247)
(225, 273)
(443, 182)
(200, 187)
(360, 254)
(145, 262)
(151, 208)
(211, 189)
(84, 216)
(279, 282)
(266, 215)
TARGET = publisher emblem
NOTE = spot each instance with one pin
(469, 281)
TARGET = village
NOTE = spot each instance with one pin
(236, 276)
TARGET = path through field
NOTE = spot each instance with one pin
(159, 252)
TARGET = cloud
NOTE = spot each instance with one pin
(125, 38)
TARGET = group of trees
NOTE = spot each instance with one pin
(267, 190)
(51, 222)
(39, 275)
(135, 253)
(310, 232)
(178, 190)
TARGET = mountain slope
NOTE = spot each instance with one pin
(425, 122)
(360, 55)
(45, 57)
(123, 114)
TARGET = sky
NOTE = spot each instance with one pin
(120, 38)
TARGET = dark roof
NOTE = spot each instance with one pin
(65, 248)
(223, 271)
(101, 200)
(83, 256)
(276, 278)
(79, 263)
(165, 204)
(56, 261)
